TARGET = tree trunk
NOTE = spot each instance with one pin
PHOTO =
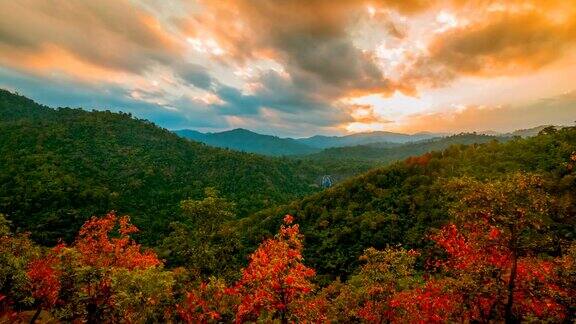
(509, 316)
(36, 314)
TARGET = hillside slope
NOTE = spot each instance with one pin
(58, 167)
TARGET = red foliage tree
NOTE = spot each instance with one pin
(482, 253)
(421, 160)
(432, 303)
(197, 308)
(44, 275)
(44, 278)
(99, 249)
(492, 251)
(276, 282)
(84, 271)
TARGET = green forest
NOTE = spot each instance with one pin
(106, 218)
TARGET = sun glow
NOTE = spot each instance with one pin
(375, 112)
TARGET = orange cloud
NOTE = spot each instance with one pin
(509, 44)
(109, 34)
(499, 39)
(52, 59)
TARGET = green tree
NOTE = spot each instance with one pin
(366, 295)
(16, 251)
(203, 242)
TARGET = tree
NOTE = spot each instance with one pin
(431, 303)
(16, 252)
(211, 301)
(104, 276)
(99, 248)
(44, 275)
(492, 250)
(367, 294)
(276, 284)
(203, 242)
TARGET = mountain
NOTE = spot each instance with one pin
(247, 141)
(322, 142)
(402, 203)
(389, 152)
(192, 134)
(60, 166)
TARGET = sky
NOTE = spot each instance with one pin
(299, 68)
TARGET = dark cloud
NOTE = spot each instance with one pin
(309, 38)
(275, 92)
(194, 74)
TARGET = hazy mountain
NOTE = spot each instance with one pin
(247, 141)
(320, 141)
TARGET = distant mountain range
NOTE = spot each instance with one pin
(322, 142)
(247, 141)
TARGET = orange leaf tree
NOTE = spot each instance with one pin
(89, 280)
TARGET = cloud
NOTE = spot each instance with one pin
(181, 63)
(508, 44)
(194, 74)
(309, 38)
(113, 34)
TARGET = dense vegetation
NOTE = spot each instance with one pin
(58, 167)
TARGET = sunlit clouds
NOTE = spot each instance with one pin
(297, 68)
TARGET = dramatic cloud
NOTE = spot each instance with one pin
(297, 67)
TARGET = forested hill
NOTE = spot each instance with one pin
(401, 203)
(59, 167)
